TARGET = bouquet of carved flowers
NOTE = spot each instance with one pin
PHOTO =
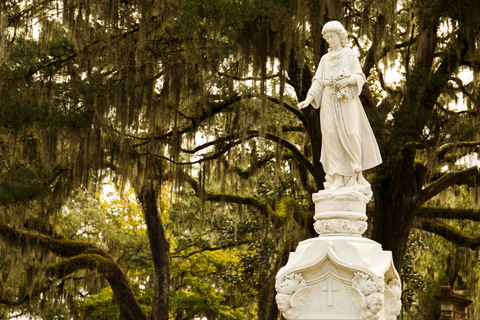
(341, 94)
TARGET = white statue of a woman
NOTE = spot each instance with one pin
(348, 144)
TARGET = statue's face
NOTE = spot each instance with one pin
(375, 304)
(283, 302)
(376, 307)
(332, 38)
(287, 287)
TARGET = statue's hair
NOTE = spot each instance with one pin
(337, 27)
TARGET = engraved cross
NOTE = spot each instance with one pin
(330, 290)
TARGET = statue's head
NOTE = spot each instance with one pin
(337, 27)
(375, 302)
(283, 301)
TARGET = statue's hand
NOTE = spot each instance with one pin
(340, 84)
(305, 103)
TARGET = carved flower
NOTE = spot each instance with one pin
(342, 94)
(365, 283)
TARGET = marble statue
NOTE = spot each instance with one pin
(348, 144)
(340, 274)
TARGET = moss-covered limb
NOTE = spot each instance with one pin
(447, 147)
(448, 232)
(41, 226)
(449, 213)
(263, 207)
(216, 108)
(444, 182)
(160, 249)
(90, 261)
(62, 247)
(289, 107)
(214, 248)
(213, 156)
(235, 139)
(234, 77)
(253, 168)
(25, 299)
(228, 143)
(288, 206)
(80, 255)
(224, 144)
(301, 158)
(228, 140)
(206, 114)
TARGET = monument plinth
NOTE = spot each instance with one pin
(343, 275)
(340, 275)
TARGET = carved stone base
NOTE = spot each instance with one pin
(339, 277)
(341, 212)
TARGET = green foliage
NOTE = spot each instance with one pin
(19, 113)
(217, 274)
(99, 306)
(60, 313)
(19, 182)
(275, 190)
(285, 206)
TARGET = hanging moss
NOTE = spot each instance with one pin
(288, 206)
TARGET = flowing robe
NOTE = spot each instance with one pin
(348, 142)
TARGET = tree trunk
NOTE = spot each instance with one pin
(396, 204)
(127, 304)
(160, 252)
(400, 182)
(268, 309)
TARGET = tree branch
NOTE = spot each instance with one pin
(263, 207)
(223, 140)
(91, 261)
(448, 232)
(301, 158)
(222, 74)
(213, 156)
(246, 174)
(215, 248)
(289, 107)
(217, 108)
(24, 299)
(449, 213)
(81, 255)
(444, 182)
(447, 147)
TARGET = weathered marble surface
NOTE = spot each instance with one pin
(339, 275)
(343, 277)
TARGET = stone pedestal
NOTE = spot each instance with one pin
(453, 304)
(339, 275)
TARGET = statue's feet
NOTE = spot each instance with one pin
(337, 184)
(361, 180)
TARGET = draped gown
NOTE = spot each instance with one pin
(348, 142)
